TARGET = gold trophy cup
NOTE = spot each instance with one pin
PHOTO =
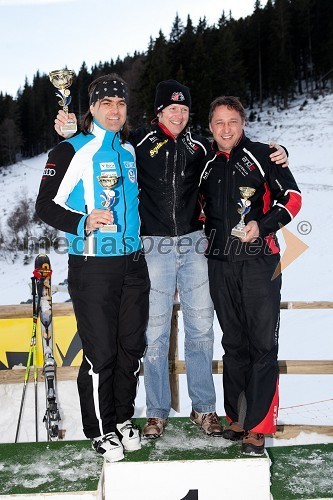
(244, 208)
(62, 79)
(108, 180)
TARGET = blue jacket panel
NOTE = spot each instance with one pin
(88, 172)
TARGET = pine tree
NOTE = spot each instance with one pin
(80, 100)
(322, 41)
(200, 85)
(283, 69)
(10, 135)
(156, 68)
(185, 50)
(229, 73)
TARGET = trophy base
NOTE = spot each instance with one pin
(109, 228)
(239, 232)
(69, 128)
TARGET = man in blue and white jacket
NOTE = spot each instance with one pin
(89, 190)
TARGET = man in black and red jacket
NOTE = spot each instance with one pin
(241, 265)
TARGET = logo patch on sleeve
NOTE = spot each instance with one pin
(132, 175)
(129, 164)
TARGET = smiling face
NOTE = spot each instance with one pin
(110, 113)
(227, 127)
(174, 118)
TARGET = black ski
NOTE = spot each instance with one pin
(42, 276)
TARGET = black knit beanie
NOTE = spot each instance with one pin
(171, 92)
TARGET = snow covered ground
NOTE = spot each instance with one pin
(304, 334)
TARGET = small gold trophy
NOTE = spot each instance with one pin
(62, 79)
(108, 180)
(244, 208)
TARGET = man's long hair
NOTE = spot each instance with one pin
(87, 118)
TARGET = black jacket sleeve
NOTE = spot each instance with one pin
(286, 195)
(49, 206)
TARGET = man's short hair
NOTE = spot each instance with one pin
(230, 102)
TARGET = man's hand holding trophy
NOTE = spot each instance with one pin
(245, 232)
(62, 79)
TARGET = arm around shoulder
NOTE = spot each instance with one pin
(287, 200)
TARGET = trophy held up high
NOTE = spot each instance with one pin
(62, 79)
(244, 208)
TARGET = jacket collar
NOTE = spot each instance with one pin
(164, 130)
(98, 131)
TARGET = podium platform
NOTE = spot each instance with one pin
(238, 479)
(186, 464)
(183, 465)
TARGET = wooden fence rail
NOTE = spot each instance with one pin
(66, 308)
(287, 367)
(176, 366)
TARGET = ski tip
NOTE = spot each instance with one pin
(42, 266)
(42, 272)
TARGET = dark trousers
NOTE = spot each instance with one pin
(247, 304)
(110, 299)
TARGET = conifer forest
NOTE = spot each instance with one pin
(284, 49)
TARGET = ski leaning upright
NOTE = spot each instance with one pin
(42, 277)
(42, 309)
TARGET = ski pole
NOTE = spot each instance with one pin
(39, 294)
(32, 358)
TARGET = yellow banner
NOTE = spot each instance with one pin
(15, 335)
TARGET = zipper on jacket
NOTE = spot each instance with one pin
(123, 189)
(166, 165)
(219, 188)
(174, 188)
(226, 206)
(233, 184)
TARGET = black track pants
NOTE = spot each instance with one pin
(247, 304)
(110, 299)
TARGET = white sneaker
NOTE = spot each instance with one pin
(129, 435)
(109, 446)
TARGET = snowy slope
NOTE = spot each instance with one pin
(22, 179)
